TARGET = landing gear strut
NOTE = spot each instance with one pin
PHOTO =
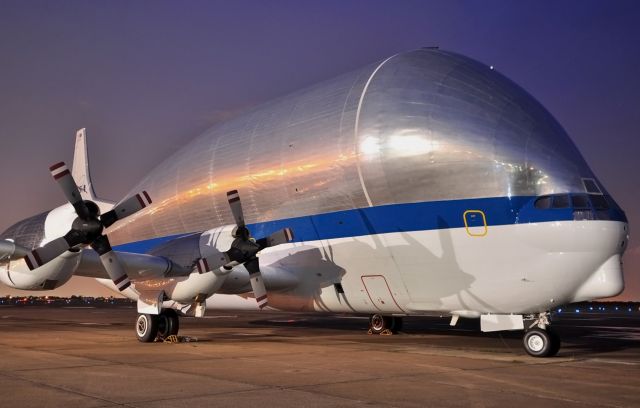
(149, 327)
(379, 324)
(540, 340)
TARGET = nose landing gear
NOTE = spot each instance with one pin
(540, 340)
(541, 343)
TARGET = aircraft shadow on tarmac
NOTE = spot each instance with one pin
(580, 335)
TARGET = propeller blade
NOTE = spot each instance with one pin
(279, 237)
(52, 250)
(211, 263)
(257, 284)
(236, 207)
(126, 208)
(62, 175)
(111, 263)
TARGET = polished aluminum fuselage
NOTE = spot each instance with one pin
(420, 126)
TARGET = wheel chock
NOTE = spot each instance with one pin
(178, 339)
(385, 332)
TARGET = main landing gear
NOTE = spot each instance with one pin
(379, 324)
(540, 340)
(149, 327)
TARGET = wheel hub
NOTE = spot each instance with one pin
(141, 327)
(535, 343)
(377, 322)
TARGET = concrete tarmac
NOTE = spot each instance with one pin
(61, 357)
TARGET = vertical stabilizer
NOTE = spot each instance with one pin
(80, 169)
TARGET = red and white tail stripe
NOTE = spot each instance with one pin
(59, 170)
(122, 282)
(202, 265)
(33, 260)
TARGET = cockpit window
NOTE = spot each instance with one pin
(580, 202)
(561, 201)
(543, 203)
(599, 202)
(582, 207)
(591, 186)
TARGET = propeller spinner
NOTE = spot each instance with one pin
(88, 228)
(244, 250)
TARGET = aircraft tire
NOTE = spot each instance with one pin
(168, 323)
(555, 342)
(538, 342)
(146, 328)
(396, 324)
(175, 323)
(379, 323)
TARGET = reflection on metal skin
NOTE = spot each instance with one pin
(420, 126)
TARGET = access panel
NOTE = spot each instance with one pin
(380, 294)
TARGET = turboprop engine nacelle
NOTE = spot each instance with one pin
(15, 273)
(35, 232)
(209, 245)
(215, 242)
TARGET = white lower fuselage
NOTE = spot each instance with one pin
(512, 269)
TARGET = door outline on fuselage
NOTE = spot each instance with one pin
(388, 292)
(472, 230)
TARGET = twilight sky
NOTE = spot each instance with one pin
(145, 77)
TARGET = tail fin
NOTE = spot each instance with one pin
(80, 169)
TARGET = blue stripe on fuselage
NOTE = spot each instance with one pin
(382, 219)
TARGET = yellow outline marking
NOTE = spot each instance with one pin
(484, 220)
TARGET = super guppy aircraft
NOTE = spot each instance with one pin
(427, 182)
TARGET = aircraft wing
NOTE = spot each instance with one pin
(137, 266)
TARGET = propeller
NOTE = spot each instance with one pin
(244, 250)
(88, 228)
